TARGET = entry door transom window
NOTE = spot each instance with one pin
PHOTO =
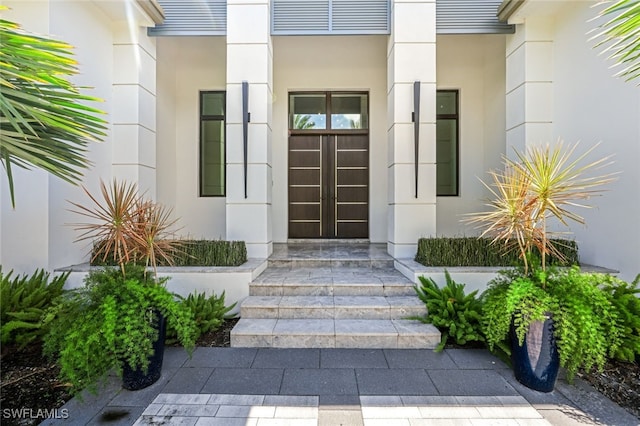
(328, 111)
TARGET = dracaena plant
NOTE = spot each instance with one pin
(126, 227)
(541, 184)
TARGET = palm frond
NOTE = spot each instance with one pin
(45, 122)
(619, 36)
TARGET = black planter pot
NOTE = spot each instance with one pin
(137, 379)
(536, 362)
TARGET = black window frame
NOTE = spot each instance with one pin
(456, 117)
(328, 112)
(202, 119)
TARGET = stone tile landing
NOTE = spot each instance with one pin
(327, 295)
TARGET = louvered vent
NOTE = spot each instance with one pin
(469, 17)
(192, 17)
(330, 17)
(361, 16)
(296, 16)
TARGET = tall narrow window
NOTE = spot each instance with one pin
(447, 142)
(212, 144)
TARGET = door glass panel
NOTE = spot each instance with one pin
(349, 111)
(307, 111)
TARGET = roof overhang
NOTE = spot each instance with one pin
(508, 8)
(147, 13)
(153, 9)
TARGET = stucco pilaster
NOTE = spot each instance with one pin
(134, 110)
(529, 84)
(411, 57)
(250, 59)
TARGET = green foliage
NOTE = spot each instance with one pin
(198, 253)
(211, 253)
(25, 302)
(587, 328)
(619, 36)
(624, 297)
(46, 122)
(455, 314)
(208, 313)
(112, 321)
(471, 251)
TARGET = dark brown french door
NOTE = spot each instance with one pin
(329, 186)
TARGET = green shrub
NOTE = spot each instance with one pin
(624, 297)
(110, 322)
(208, 313)
(455, 314)
(24, 305)
(211, 253)
(472, 251)
(197, 253)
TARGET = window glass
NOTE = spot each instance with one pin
(213, 103)
(349, 111)
(212, 144)
(447, 143)
(307, 111)
(446, 102)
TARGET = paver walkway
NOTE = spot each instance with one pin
(267, 386)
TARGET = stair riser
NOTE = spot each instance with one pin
(330, 290)
(355, 312)
(331, 341)
(332, 263)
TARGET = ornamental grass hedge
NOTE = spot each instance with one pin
(198, 253)
(473, 251)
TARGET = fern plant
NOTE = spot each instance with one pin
(586, 323)
(25, 303)
(457, 315)
(208, 314)
(111, 322)
(625, 298)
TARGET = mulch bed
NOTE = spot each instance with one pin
(29, 381)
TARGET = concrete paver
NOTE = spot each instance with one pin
(354, 387)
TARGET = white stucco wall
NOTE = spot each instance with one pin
(331, 63)
(36, 234)
(591, 106)
(186, 66)
(474, 65)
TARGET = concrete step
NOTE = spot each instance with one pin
(332, 307)
(334, 333)
(345, 262)
(331, 282)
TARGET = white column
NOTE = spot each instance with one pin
(529, 85)
(411, 57)
(250, 59)
(134, 109)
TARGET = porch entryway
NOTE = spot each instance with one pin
(326, 295)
